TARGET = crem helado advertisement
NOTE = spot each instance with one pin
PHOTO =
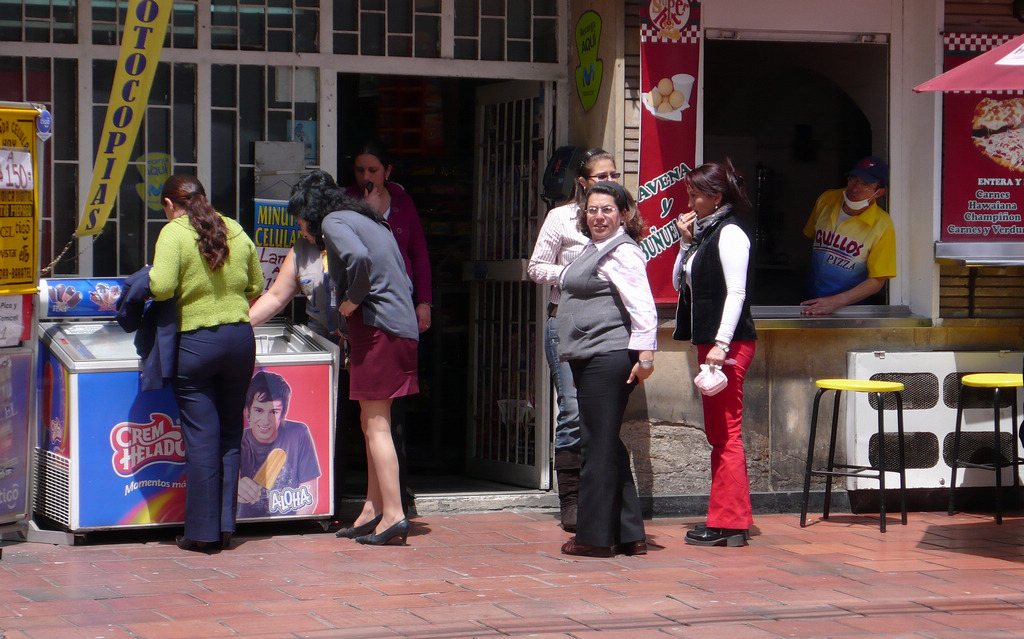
(131, 465)
(669, 63)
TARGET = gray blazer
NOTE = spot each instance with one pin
(367, 269)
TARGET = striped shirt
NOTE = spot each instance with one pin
(558, 244)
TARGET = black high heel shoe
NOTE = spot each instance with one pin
(195, 546)
(400, 529)
(731, 537)
(360, 530)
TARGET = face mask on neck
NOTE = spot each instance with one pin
(859, 205)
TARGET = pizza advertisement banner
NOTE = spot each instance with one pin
(669, 64)
(983, 155)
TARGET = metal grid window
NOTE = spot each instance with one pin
(265, 25)
(45, 81)
(252, 103)
(503, 30)
(166, 144)
(39, 21)
(108, 18)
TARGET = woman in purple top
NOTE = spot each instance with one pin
(372, 166)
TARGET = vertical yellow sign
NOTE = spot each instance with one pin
(141, 44)
(19, 215)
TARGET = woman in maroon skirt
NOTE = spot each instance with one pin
(373, 291)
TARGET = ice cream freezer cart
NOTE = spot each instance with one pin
(109, 455)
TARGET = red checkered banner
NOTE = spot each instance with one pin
(669, 64)
(983, 153)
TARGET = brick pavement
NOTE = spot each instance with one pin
(501, 574)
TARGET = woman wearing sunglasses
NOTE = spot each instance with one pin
(558, 244)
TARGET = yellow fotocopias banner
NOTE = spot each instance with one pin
(143, 39)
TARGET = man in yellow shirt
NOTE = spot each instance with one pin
(854, 250)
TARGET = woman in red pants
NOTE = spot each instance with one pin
(713, 312)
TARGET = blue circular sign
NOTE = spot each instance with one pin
(44, 122)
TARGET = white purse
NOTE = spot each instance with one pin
(710, 380)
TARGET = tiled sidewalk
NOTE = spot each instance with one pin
(501, 574)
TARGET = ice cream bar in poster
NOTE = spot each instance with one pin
(130, 462)
(983, 155)
(669, 64)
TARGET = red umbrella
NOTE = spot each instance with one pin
(1001, 69)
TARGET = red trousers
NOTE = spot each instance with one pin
(729, 505)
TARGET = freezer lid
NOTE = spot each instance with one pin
(277, 340)
(105, 345)
(98, 343)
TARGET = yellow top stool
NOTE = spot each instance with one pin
(995, 381)
(876, 388)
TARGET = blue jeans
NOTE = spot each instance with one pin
(214, 370)
(567, 424)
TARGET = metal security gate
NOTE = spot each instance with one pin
(509, 424)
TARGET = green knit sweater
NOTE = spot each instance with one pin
(205, 298)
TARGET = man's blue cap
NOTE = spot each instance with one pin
(871, 170)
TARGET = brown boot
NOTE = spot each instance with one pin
(567, 465)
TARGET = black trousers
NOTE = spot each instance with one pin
(609, 508)
(214, 370)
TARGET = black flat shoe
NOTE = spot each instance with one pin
(400, 529)
(195, 546)
(631, 549)
(360, 530)
(700, 527)
(225, 540)
(731, 537)
(573, 547)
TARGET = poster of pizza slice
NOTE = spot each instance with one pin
(997, 130)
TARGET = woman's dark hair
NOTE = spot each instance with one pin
(376, 149)
(316, 195)
(185, 191)
(631, 220)
(719, 178)
(587, 162)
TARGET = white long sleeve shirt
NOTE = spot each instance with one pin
(626, 269)
(558, 244)
(734, 251)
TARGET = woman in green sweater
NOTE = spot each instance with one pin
(210, 265)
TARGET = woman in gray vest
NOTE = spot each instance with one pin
(607, 331)
(714, 313)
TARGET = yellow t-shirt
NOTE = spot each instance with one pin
(846, 254)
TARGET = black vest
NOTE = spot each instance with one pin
(699, 312)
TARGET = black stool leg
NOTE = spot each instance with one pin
(1013, 438)
(881, 461)
(954, 461)
(831, 454)
(997, 463)
(903, 457)
(810, 457)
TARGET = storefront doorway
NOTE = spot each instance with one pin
(793, 117)
(470, 153)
